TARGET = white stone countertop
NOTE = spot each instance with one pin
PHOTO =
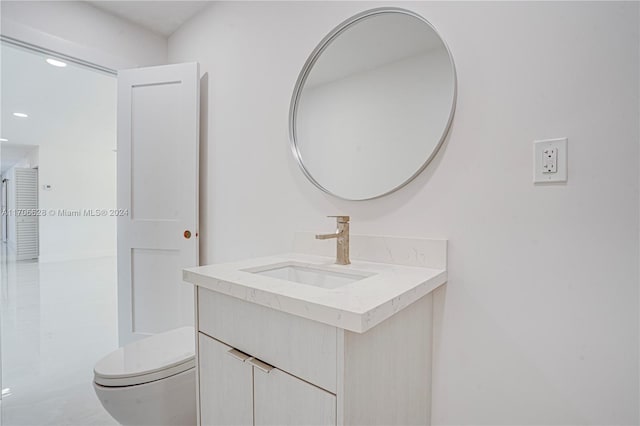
(356, 306)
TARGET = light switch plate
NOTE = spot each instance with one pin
(550, 160)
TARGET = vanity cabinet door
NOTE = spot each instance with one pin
(284, 400)
(226, 385)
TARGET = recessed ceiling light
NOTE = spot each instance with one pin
(4, 140)
(20, 114)
(56, 63)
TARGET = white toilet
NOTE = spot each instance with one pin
(151, 381)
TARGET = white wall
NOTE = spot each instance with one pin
(79, 163)
(539, 321)
(77, 29)
(81, 177)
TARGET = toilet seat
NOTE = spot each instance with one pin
(149, 359)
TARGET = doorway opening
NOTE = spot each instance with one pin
(59, 306)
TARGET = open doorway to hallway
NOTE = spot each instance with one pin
(59, 307)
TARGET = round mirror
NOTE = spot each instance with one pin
(373, 104)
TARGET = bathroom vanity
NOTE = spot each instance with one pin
(297, 340)
(319, 337)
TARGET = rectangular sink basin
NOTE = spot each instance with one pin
(309, 275)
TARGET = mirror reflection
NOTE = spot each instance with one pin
(373, 104)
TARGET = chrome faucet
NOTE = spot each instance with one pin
(342, 239)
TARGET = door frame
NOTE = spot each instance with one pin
(49, 52)
(3, 204)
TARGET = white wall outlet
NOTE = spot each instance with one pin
(550, 160)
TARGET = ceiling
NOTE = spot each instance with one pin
(161, 17)
(63, 104)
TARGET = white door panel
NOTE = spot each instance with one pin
(158, 185)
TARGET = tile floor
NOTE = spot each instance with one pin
(57, 320)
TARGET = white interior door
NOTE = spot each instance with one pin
(27, 237)
(158, 113)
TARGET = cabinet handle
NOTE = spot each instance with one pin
(262, 366)
(240, 356)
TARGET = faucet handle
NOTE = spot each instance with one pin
(341, 219)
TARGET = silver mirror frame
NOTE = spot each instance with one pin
(308, 66)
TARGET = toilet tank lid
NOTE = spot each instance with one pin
(169, 351)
